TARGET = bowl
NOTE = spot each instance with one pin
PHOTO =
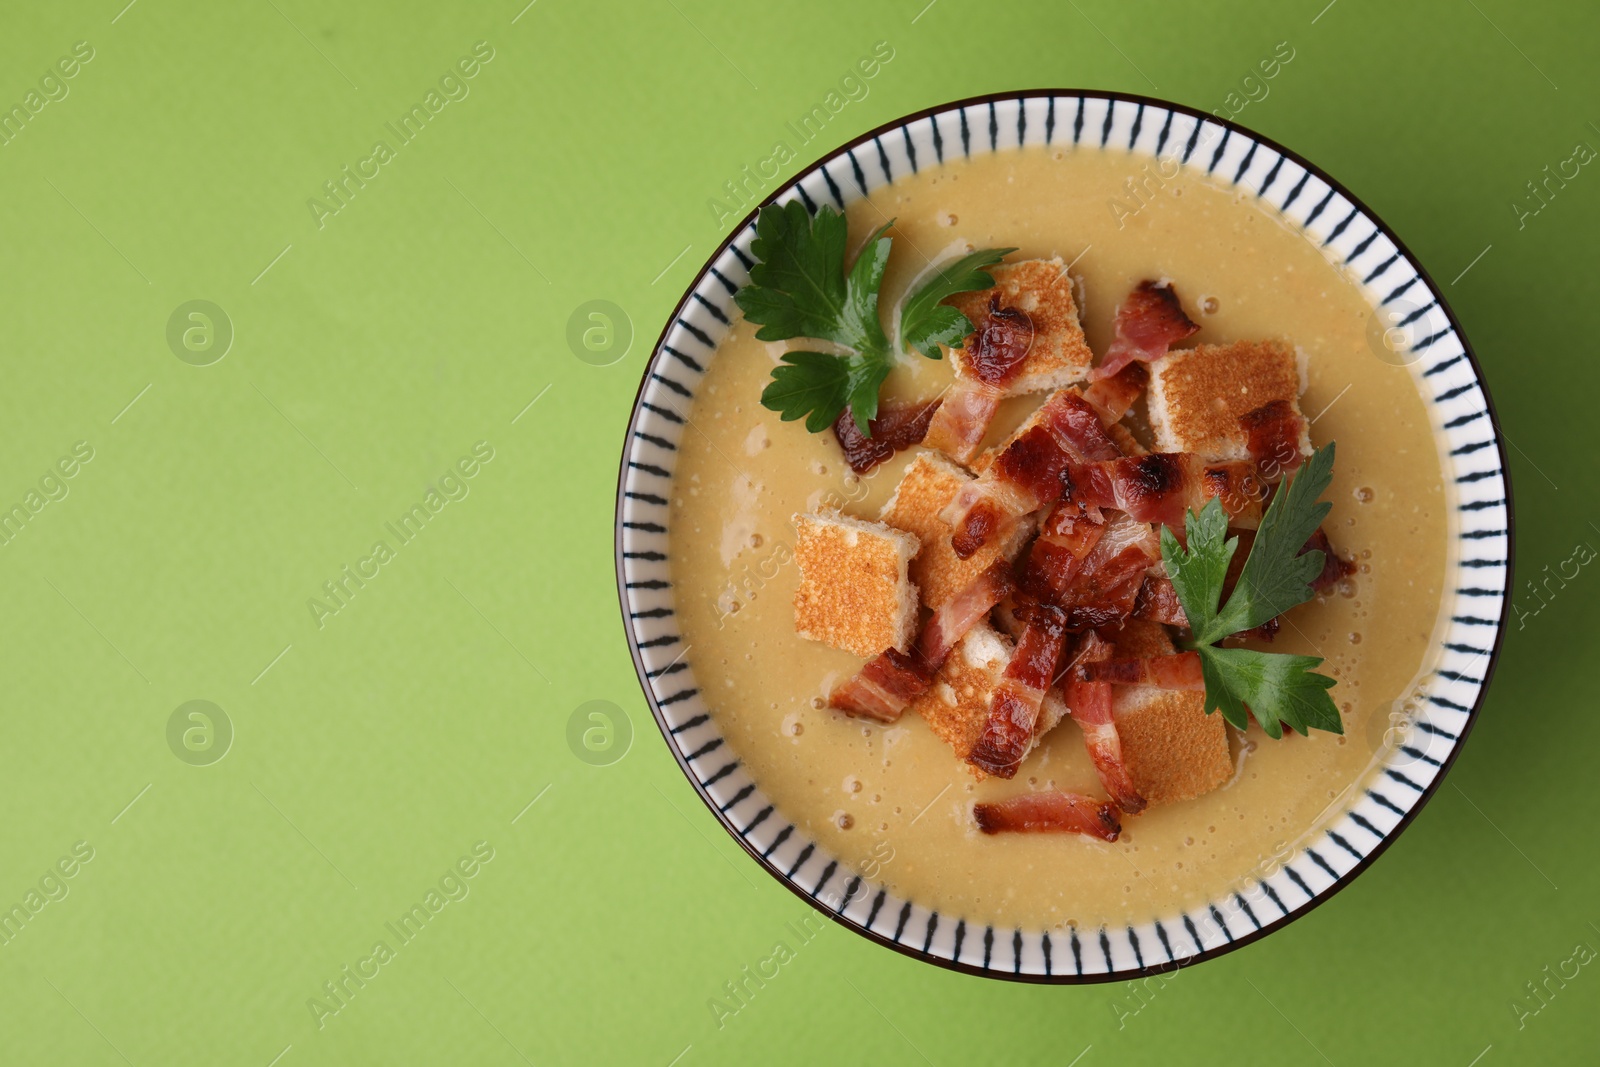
(1417, 328)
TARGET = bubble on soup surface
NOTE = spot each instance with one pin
(1209, 305)
(851, 784)
(818, 703)
(1365, 494)
(843, 819)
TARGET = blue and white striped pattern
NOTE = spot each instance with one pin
(1446, 376)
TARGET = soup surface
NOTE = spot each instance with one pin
(894, 802)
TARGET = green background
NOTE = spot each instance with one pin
(370, 354)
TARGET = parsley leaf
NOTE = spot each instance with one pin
(1277, 576)
(800, 288)
(1277, 688)
(1197, 575)
(926, 323)
(809, 385)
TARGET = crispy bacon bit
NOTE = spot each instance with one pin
(1158, 602)
(1160, 487)
(1027, 475)
(897, 427)
(958, 427)
(1178, 670)
(995, 351)
(1014, 710)
(1334, 567)
(1149, 321)
(882, 689)
(1065, 541)
(1273, 438)
(1114, 394)
(1048, 812)
(1089, 702)
(1000, 343)
(1107, 585)
(889, 683)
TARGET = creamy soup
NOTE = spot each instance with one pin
(895, 802)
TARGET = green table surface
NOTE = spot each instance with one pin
(370, 746)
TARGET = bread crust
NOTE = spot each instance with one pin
(1060, 355)
(855, 591)
(1198, 395)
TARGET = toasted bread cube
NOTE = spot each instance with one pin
(855, 590)
(1173, 749)
(957, 706)
(1197, 395)
(1060, 355)
(927, 486)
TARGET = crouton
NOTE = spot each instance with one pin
(1173, 749)
(957, 707)
(855, 590)
(1197, 396)
(927, 486)
(1059, 355)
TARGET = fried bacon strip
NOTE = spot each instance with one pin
(1106, 587)
(889, 683)
(897, 427)
(1090, 704)
(1334, 567)
(962, 420)
(1160, 487)
(1066, 539)
(1014, 708)
(1158, 602)
(1178, 670)
(1149, 321)
(1027, 474)
(1113, 395)
(995, 353)
(1273, 438)
(1048, 812)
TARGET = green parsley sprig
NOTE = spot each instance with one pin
(800, 288)
(1278, 688)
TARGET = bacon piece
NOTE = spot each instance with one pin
(1160, 487)
(1068, 536)
(1112, 396)
(958, 428)
(995, 352)
(887, 685)
(1090, 704)
(1177, 670)
(1107, 585)
(897, 427)
(883, 688)
(1273, 434)
(1158, 602)
(1335, 568)
(1000, 343)
(1048, 812)
(1027, 474)
(1149, 322)
(1014, 710)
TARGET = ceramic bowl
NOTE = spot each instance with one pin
(1422, 332)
